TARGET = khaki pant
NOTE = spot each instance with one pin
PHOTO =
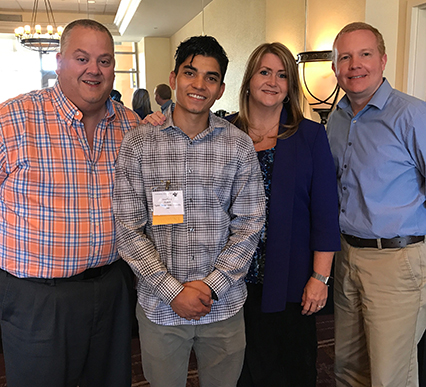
(219, 348)
(380, 315)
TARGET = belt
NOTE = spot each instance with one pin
(92, 273)
(382, 243)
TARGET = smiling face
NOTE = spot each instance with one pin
(197, 85)
(358, 66)
(269, 85)
(85, 68)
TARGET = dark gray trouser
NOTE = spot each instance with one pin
(66, 333)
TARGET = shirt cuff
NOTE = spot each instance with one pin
(169, 288)
(217, 282)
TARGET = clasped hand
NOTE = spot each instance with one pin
(194, 301)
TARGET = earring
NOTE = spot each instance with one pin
(248, 91)
(286, 99)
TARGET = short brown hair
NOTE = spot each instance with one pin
(357, 26)
(86, 23)
(164, 91)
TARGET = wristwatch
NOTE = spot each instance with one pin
(320, 277)
(214, 295)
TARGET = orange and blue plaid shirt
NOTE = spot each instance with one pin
(56, 217)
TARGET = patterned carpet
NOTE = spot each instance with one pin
(325, 329)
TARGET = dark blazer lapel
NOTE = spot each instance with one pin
(279, 231)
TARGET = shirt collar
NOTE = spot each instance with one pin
(111, 109)
(69, 111)
(378, 100)
(215, 123)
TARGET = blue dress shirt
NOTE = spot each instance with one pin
(379, 158)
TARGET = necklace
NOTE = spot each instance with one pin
(260, 137)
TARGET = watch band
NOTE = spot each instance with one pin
(214, 295)
(320, 277)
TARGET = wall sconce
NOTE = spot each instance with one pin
(318, 81)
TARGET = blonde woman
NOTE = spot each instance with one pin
(287, 278)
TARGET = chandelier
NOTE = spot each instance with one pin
(31, 36)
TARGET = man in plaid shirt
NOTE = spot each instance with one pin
(189, 205)
(64, 293)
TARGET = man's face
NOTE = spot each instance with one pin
(197, 84)
(85, 68)
(358, 65)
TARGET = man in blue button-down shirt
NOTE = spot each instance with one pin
(377, 137)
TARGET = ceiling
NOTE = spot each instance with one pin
(133, 20)
(79, 6)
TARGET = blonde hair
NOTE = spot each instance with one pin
(294, 87)
(358, 26)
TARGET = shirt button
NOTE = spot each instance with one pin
(191, 230)
(345, 166)
(189, 170)
(344, 188)
(190, 142)
(343, 210)
(191, 200)
(354, 121)
(350, 144)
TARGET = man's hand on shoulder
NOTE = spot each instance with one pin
(192, 303)
(156, 119)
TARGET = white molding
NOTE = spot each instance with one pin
(414, 7)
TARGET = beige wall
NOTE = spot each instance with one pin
(248, 23)
(157, 65)
(285, 22)
(389, 17)
(384, 15)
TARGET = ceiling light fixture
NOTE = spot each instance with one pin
(31, 37)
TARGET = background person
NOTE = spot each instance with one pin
(378, 139)
(64, 293)
(141, 103)
(116, 96)
(163, 96)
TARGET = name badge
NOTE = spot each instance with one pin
(168, 207)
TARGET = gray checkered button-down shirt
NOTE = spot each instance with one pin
(224, 203)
